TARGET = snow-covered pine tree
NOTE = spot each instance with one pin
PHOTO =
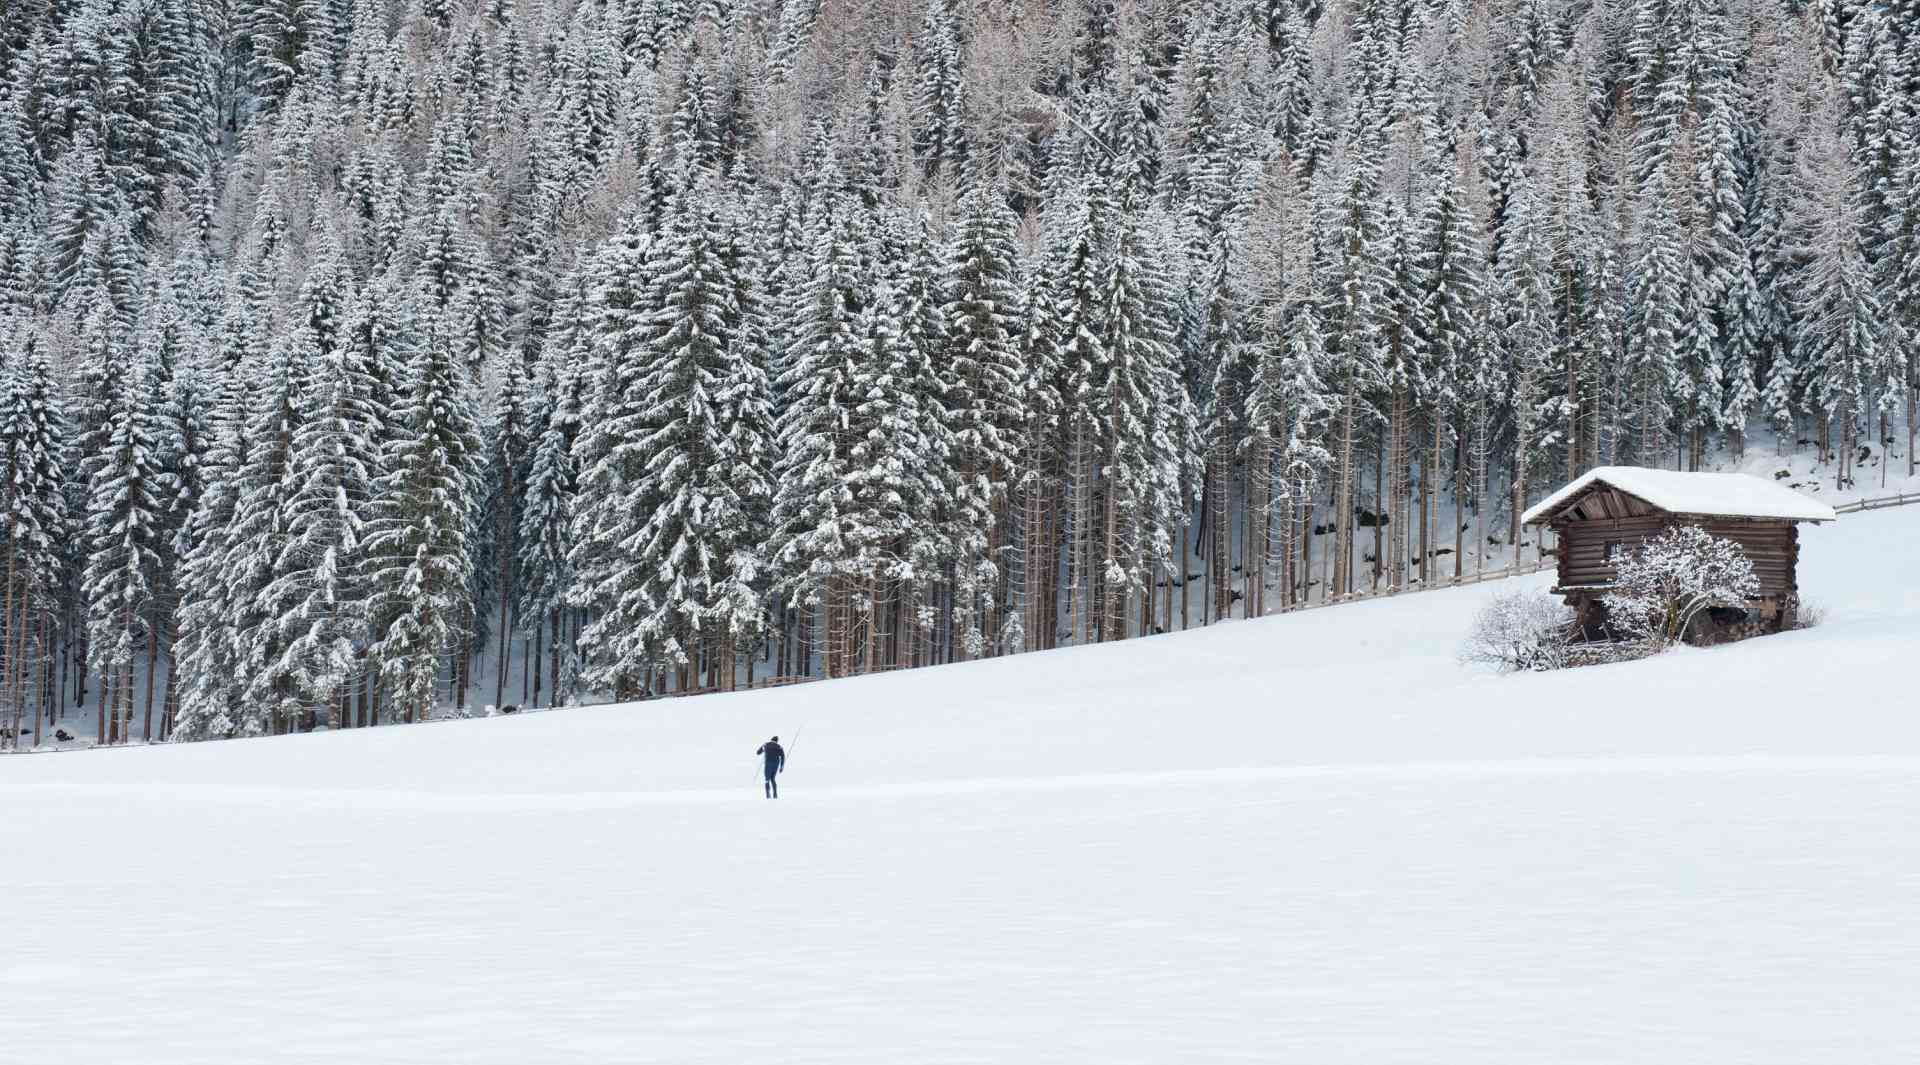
(184, 441)
(747, 397)
(1039, 484)
(1840, 314)
(313, 607)
(35, 517)
(551, 481)
(1287, 403)
(1077, 276)
(678, 578)
(857, 482)
(909, 512)
(1452, 270)
(1524, 276)
(510, 443)
(1139, 405)
(213, 597)
(611, 474)
(417, 544)
(122, 541)
(983, 395)
(1659, 317)
(1900, 265)
(939, 113)
(1355, 366)
(810, 541)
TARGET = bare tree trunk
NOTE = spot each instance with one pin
(463, 677)
(1113, 611)
(66, 653)
(905, 628)
(44, 672)
(1840, 466)
(1342, 579)
(1329, 587)
(1429, 469)
(153, 666)
(1259, 506)
(1459, 505)
(80, 665)
(505, 578)
(15, 642)
(1380, 508)
(1399, 460)
(1219, 473)
(1910, 427)
(16, 613)
(1146, 604)
(170, 701)
(1886, 434)
(1523, 430)
(1079, 544)
(1186, 565)
(536, 652)
(1166, 603)
(1482, 446)
(1304, 593)
(873, 624)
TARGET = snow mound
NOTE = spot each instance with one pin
(1707, 495)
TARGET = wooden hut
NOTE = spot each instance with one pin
(1607, 512)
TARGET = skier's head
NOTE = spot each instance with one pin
(776, 739)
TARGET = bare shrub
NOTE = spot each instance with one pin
(1675, 577)
(1520, 631)
(1809, 614)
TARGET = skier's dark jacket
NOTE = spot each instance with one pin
(775, 755)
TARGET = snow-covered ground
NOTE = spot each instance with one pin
(1307, 839)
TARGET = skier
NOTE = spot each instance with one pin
(773, 760)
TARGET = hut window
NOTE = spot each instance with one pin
(1613, 551)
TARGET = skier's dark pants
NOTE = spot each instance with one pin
(773, 786)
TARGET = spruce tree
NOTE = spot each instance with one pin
(417, 544)
(552, 480)
(685, 565)
(313, 606)
(983, 393)
(122, 542)
(35, 519)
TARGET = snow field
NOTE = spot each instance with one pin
(1308, 839)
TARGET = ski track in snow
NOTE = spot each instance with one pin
(1310, 839)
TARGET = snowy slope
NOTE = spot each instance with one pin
(1307, 839)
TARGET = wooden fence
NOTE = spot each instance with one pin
(1902, 499)
(1518, 570)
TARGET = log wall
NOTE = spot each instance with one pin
(1773, 546)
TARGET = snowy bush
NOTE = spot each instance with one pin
(1520, 631)
(1675, 577)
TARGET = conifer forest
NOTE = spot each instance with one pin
(370, 361)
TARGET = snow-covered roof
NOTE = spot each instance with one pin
(1712, 495)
